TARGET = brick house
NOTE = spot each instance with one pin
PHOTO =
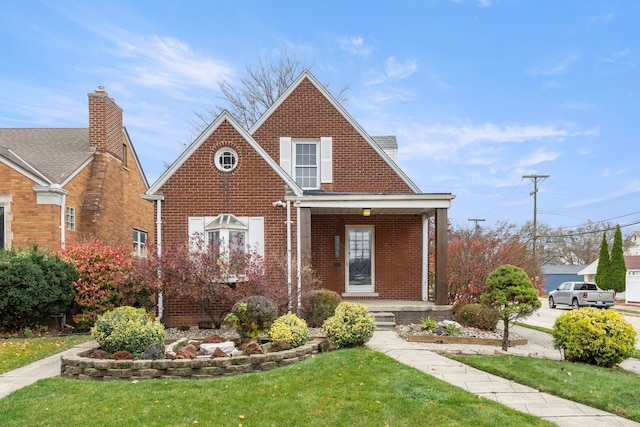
(61, 185)
(306, 182)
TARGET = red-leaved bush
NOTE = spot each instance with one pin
(103, 270)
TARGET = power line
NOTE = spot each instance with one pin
(534, 193)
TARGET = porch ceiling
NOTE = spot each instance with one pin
(380, 204)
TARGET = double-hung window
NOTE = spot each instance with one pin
(308, 160)
(139, 243)
(306, 164)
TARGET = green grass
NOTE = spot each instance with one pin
(18, 352)
(612, 390)
(535, 328)
(352, 387)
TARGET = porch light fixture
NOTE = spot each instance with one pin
(366, 212)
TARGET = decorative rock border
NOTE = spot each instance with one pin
(86, 368)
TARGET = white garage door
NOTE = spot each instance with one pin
(633, 286)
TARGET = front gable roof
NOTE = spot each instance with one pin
(306, 75)
(193, 147)
(47, 155)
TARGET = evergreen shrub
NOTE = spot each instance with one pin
(319, 305)
(33, 286)
(291, 329)
(593, 336)
(127, 329)
(351, 326)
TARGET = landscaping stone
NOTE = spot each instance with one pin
(155, 351)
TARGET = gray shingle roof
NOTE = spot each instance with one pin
(55, 153)
(386, 142)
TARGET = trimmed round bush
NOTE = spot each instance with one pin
(291, 329)
(127, 329)
(593, 336)
(319, 305)
(479, 316)
(351, 326)
(252, 316)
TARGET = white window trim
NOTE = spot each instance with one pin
(5, 200)
(140, 248)
(324, 157)
(70, 212)
(219, 153)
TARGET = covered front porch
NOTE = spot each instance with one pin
(377, 246)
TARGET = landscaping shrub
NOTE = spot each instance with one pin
(103, 269)
(593, 336)
(479, 316)
(291, 329)
(319, 305)
(429, 323)
(252, 316)
(351, 326)
(33, 286)
(127, 329)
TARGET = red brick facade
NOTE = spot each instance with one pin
(195, 187)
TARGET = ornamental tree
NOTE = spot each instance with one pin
(474, 253)
(213, 278)
(512, 294)
(602, 273)
(617, 273)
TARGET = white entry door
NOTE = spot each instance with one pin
(360, 265)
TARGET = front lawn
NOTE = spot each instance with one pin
(612, 390)
(353, 387)
(18, 352)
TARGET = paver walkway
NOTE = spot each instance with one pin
(522, 398)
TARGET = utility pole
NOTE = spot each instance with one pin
(534, 193)
(476, 220)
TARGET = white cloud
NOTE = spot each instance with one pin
(604, 18)
(168, 62)
(606, 173)
(354, 45)
(554, 67)
(537, 157)
(398, 70)
(579, 105)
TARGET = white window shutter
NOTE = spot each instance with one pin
(285, 154)
(255, 238)
(196, 229)
(326, 165)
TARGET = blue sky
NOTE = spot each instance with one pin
(478, 92)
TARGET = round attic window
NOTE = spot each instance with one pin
(226, 159)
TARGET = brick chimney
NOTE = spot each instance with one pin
(105, 123)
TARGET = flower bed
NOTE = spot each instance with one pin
(82, 367)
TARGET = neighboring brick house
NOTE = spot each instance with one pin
(61, 185)
(307, 182)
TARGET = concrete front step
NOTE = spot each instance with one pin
(385, 321)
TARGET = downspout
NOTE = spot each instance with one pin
(299, 261)
(425, 257)
(289, 285)
(159, 249)
(63, 211)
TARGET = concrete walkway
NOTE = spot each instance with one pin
(562, 412)
(45, 368)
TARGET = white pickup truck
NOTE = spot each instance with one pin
(580, 294)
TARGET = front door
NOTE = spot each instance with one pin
(359, 255)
